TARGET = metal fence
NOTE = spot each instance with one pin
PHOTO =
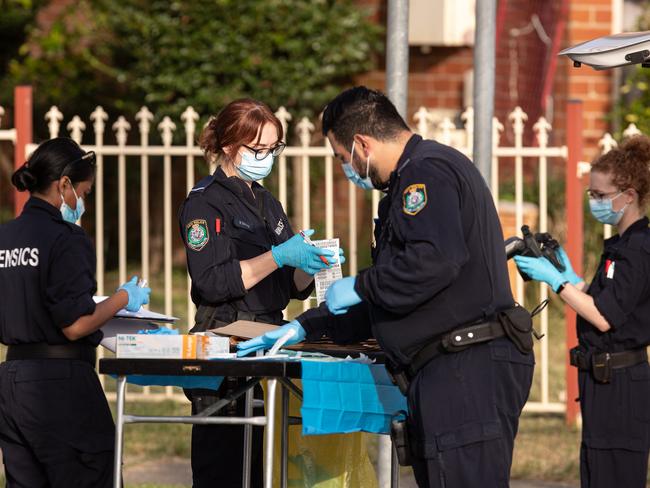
(133, 152)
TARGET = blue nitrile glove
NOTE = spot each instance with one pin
(569, 274)
(138, 296)
(266, 341)
(297, 253)
(341, 256)
(541, 269)
(159, 331)
(341, 295)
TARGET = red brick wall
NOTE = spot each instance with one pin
(436, 78)
(586, 19)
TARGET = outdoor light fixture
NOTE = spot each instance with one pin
(612, 51)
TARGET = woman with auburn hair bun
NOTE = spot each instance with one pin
(56, 429)
(245, 262)
(613, 322)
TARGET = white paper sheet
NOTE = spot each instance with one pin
(141, 314)
(325, 277)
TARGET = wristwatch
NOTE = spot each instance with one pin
(561, 287)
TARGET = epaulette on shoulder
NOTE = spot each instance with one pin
(201, 185)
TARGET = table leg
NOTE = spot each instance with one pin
(119, 432)
(270, 431)
(284, 439)
(248, 439)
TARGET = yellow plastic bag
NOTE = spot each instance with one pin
(321, 461)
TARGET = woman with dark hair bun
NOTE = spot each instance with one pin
(56, 428)
(613, 322)
(245, 263)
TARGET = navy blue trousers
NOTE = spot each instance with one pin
(464, 413)
(56, 429)
(615, 428)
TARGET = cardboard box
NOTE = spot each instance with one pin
(184, 346)
(210, 347)
(244, 329)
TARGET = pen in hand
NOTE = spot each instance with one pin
(307, 240)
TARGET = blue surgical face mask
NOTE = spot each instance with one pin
(603, 212)
(70, 215)
(251, 169)
(354, 177)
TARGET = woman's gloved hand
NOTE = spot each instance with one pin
(297, 253)
(138, 295)
(341, 295)
(266, 341)
(569, 274)
(541, 269)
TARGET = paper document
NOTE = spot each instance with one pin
(325, 277)
(141, 314)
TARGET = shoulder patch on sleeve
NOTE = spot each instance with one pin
(196, 234)
(414, 198)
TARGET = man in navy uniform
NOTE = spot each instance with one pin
(433, 296)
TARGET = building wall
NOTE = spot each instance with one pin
(437, 77)
(586, 19)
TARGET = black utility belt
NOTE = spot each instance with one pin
(515, 323)
(42, 350)
(455, 341)
(601, 364)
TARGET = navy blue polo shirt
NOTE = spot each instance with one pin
(439, 260)
(47, 276)
(621, 291)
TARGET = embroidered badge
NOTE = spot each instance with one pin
(197, 234)
(609, 268)
(415, 198)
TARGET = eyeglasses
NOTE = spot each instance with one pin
(597, 195)
(261, 153)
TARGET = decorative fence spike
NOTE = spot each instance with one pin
(76, 127)
(422, 117)
(632, 130)
(468, 117)
(144, 118)
(284, 116)
(121, 128)
(518, 117)
(542, 128)
(99, 117)
(190, 116)
(166, 128)
(497, 129)
(304, 129)
(607, 143)
(54, 118)
(446, 127)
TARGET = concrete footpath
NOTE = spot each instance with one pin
(177, 472)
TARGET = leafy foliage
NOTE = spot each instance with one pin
(203, 53)
(633, 107)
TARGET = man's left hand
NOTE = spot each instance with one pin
(341, 295)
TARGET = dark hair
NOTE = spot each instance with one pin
(630, 166)
(360, 110)
(52, 160)
(236, 124)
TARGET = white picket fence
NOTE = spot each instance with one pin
(127, 153)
